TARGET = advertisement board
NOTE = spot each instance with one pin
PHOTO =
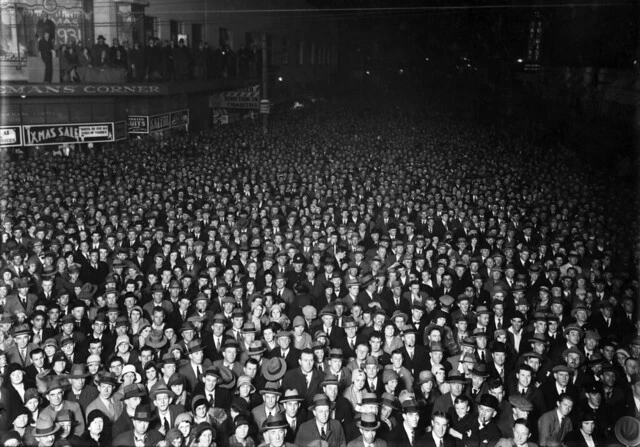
(142, 124)
(138, 124)
(54, 134)
(244, 98)
(159, 122)
(10, 136)
(180, 118)
(120, 130)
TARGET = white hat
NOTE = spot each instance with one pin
(130, 369)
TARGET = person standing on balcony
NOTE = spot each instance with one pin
(45, 47)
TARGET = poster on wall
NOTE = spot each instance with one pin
(23, 22)
(10, 136)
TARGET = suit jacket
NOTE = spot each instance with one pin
(295, 379)
(301, 418)
(443, 403)
(549, 427)
(210, 351)
(48, 416)
(419, 363)
(126, 439)
(190, 375)
(309, 432)
(89, 394)
(122, 425)
(259, 414)
(343, 409)
(221, 395)
(291, 359)
(550, 394)
(14, 306)
(398, 437)
(235, 369)
(358, 442)
(427, 440)
(487, 437)
(174, 411)
(13, 355)
(97, 404)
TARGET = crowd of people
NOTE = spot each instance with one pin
(157, 61)
(356, 278)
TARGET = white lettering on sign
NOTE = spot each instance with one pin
(8, 136)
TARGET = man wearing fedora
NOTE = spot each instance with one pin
(341, 409)
(215, 338)
(46, 432)
(54, 393)
(550, 390)
(406, 433)
(305, 379)
(479, 386)
(194, 369)
(321, 426)
(445, 403)
(274, 431)
(20, 352)
(485, 430)
(141, 434)
(229, 361)
(165, 413)
(368, 426)
(271, 395)
(415, 355)
(294, 413)
(214, 386)
(79, 391)
(106, 402)
(21, 303)
(131, 398)
(284, 350)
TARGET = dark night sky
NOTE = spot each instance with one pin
(598, 33)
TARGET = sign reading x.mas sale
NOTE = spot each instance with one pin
(48, 134)
(243, 98)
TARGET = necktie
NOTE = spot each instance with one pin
(499, 323)
(109, 406)
(165, 425)
(293, 424)
(351, 344)
(217, 343)
(199, 372)
(562, 391)
(412, 437)
(323, 433)
(482, 355)
(373, 387)
(211, 399)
